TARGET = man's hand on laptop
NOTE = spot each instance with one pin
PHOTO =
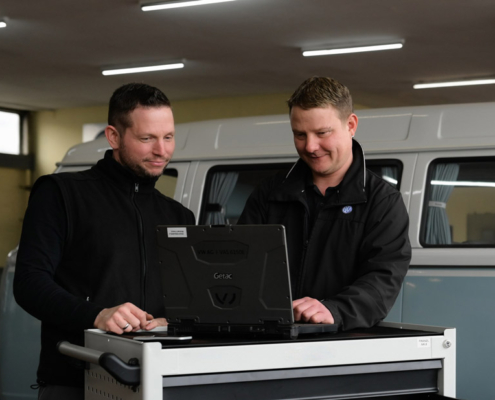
(312, 311)
(126, 318)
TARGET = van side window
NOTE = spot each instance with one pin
(389, 170)
(228, 188)
(167, 182)
(460, 203)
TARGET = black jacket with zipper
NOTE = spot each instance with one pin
(356, 255)
(88, 243)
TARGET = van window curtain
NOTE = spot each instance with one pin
(437, 223)
(222, 186)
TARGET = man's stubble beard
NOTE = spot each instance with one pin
(134, 167)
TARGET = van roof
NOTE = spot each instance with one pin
(385, 130)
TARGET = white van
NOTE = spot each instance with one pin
(441, 158)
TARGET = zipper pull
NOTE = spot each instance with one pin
(136, 187)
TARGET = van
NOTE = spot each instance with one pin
(441, 158)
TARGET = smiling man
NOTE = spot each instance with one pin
(87, 256)
(347, 229)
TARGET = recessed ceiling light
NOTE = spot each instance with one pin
(135, 70)
(180, 3)
(3, 24)
(346, 50)
(454, 83)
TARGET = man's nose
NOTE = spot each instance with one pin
(159, 148)
(312, 143)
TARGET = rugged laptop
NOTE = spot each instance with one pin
(227, 280)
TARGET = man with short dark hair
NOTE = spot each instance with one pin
(87, 256)
(347, 229)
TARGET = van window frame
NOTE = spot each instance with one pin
(385, 162)
(427, 194)
(235, 167)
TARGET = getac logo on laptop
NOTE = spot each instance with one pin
(218, 275)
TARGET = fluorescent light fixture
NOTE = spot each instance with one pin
(455, 83)
(3, 24)
(347, 50)
(179, 4)
(136, 70)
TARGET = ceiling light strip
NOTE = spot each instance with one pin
(392, 46)
(142, 69)
(179, 4)
(3, 24)
(456, 83)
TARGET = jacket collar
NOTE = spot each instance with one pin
(351, 190)
(123, 177)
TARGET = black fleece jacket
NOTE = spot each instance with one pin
(355, 256)
(88, 243)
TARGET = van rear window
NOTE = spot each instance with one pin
(228, 188)
(388, 170)
(459, 205)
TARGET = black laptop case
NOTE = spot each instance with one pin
(225, 280)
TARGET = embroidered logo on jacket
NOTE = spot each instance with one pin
(347, 209)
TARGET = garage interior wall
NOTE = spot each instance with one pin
(13, 201)
(53, 132)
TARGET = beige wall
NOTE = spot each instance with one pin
(13, 202)
(54, 132)
(229, 107)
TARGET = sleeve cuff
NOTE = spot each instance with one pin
(337, 318)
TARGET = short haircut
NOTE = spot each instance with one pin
(317, 92)
(127, 98)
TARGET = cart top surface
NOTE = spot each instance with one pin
(377, 332)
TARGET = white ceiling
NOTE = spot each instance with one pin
(53, 51)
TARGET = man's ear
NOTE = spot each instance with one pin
(113, 137)
(352, 123)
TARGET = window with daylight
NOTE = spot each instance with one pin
(10, 133)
